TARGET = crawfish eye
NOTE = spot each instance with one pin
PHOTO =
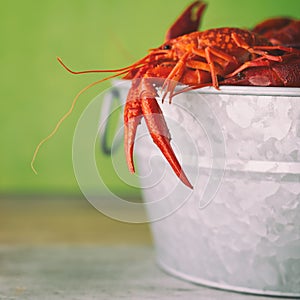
(167, 47)
(240, 75)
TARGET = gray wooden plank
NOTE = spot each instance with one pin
(94, 272)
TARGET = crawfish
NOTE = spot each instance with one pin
(190, 57)
(285, 74)
(280, 31)
(198, 58)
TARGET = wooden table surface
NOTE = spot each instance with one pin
(40, 221)
(65, 249)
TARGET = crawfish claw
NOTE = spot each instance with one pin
(188, 21)
(132, 118)
(161, 137)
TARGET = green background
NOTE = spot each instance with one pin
(35, 91)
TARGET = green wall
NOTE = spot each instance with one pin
(35, 91)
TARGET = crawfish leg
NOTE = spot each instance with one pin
(159, 130)
(279, 47)
(249, 64)
(261, 50)
(212, 57)
(174, 76)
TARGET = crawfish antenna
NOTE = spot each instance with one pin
(135, 65)
(52, 133)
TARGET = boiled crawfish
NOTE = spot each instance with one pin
(208, 58)
(280, 31)
(204, 57)
(285, 74)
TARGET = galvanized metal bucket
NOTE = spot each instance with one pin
(239, 228)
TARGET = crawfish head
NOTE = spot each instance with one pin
(216, 51)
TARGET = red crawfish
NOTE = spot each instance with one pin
(204, 56)
(194, 58)
(284, 74)
(280, 31)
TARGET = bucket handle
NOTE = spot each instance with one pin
(110, 97)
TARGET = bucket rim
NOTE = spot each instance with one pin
(232, 90)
